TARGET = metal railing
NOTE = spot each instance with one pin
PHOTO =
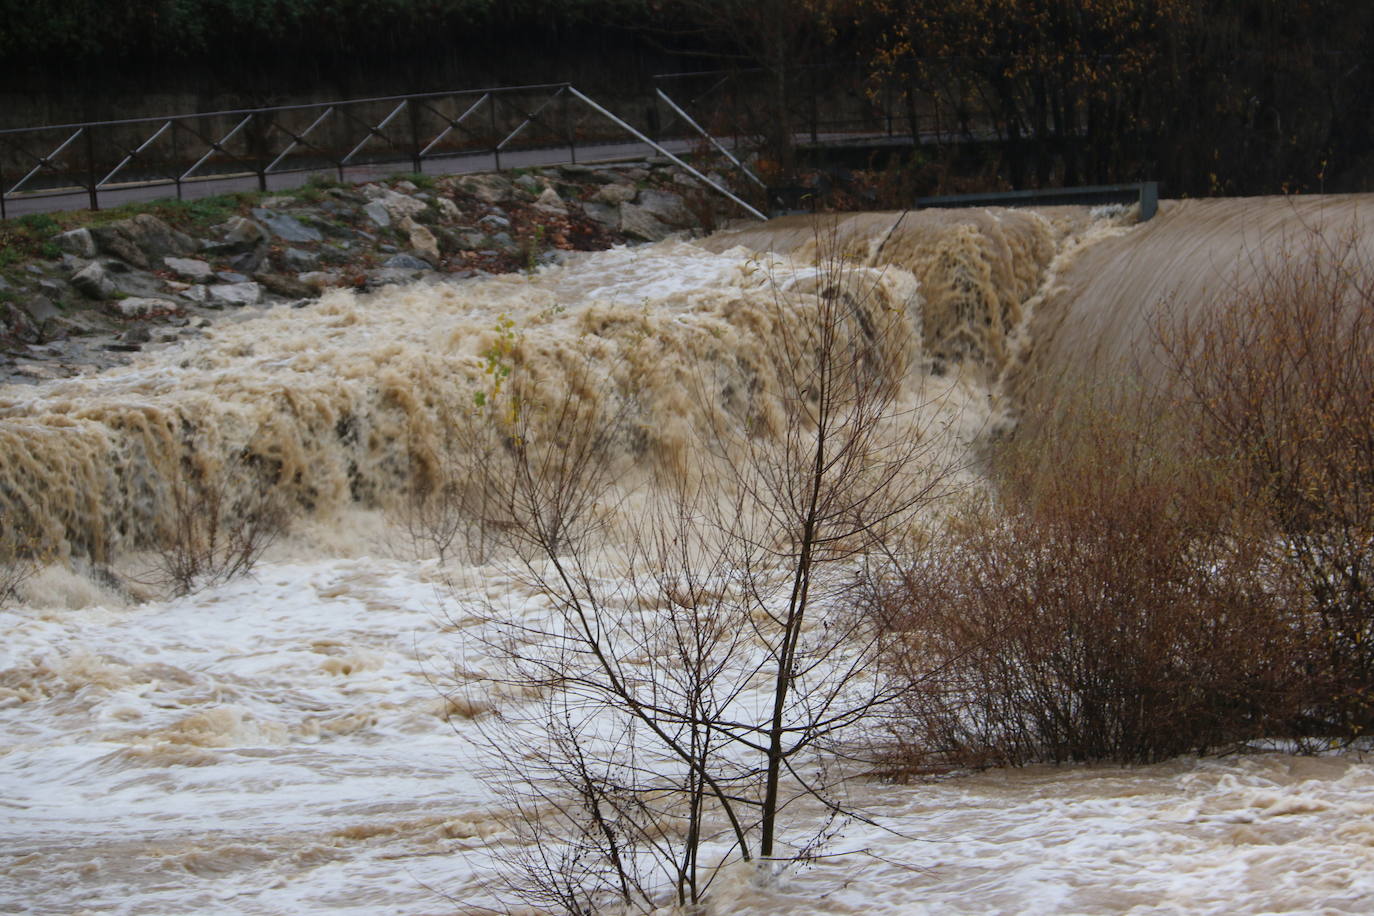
(96, 163)
(462, 130)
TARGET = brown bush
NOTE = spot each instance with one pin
(19, 558)
(1109, 603)
(216, 529)
(1280, 378)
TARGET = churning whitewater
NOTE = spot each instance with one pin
(305, 740)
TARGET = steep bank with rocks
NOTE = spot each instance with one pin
(82, 291)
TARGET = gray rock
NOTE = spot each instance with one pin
(236, 295)
(300, 259)
(238, 235)
(34, 269)
(390, 276)
(530, 183)
(639, 223)
(406, 262)
(287, 227)
(503, 241)
(230, 276)
(604, 214)
(422, 241)
(249, 261)
(41, 309)
(397, 206)
(79, 242)
(93, 282)
(319, 280)
(139, 334)
(141, 307)
(406, 187)
(140, 238)
(198, 294)
(490, 189)
(664, 206)
(378, 213)
(54, 288)
(550, 202)
(615, 194)
(16, 323)
(282, 285)
(193, 270)
(448, 210)
(494, 221)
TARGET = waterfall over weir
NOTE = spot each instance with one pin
(302, 740)
(353, 399)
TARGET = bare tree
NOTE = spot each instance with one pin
(19, 558)
(699, 668)
(218, 522)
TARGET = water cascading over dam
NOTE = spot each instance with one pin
(302, 740)
(354, 400)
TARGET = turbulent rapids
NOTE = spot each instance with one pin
(293, 720)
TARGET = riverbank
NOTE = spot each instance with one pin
(84, 291)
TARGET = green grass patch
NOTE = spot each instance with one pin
(28, 237)
(193, 216)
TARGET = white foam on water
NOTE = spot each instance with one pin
(308, 741)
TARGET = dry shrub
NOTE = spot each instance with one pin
(19, 558)
(215, 531)
(1280, 378)
(1106, 605)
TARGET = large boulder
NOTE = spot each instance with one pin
(238, 236)
(140, 240)
(422, 241)
(142, 307)
(235, 295)
(550, 202)
(489, 189)
(287, 227)
(93, 282)
(664, 206)
(639, 223)
(397, 206)
(79, 242)
(192, 270)
(614, 195)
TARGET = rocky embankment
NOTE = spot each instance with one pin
(85, 291)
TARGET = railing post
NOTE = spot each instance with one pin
(495, 143)
(90, 169)
(568, 129)
(176, 158)
(2, 194)
(258, 137)
(413, 111)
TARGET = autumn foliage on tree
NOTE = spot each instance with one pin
(1213, 96)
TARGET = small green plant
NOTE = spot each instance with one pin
(532, 247)
(498, 364)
